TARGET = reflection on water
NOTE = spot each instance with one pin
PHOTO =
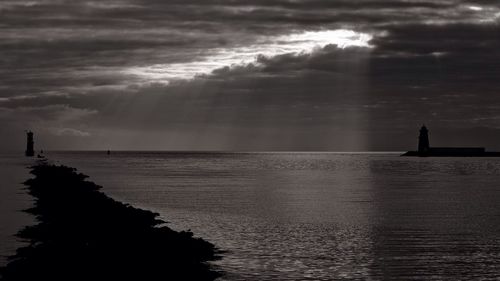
(320, 216)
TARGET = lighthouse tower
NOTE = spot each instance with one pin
(30, 151)
(423, 141)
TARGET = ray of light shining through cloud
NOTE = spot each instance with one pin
(299, 43)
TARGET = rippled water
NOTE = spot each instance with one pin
(13, 199)
(320, 216)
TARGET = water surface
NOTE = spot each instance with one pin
(13, 199)
(319, 216)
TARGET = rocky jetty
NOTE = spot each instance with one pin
(82, 234)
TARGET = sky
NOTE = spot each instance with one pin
(261, 75)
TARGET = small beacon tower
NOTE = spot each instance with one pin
(30, 151)
(423, 141)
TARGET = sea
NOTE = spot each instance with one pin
(302, 215)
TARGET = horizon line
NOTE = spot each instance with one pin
(214, 151)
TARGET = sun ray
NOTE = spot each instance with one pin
(297, 43)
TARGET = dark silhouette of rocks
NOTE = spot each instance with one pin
(83, 234)
(425, 150)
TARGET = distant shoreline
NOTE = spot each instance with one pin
(103, 152)
(82, 234)
(451, 154)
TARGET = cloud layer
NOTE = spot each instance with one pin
(88, 74)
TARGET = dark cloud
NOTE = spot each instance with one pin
(63, 72)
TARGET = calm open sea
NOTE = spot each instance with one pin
(315, 216)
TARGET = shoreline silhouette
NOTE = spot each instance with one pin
(82, 234)
(425, 150)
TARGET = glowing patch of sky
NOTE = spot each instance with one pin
(475, 8)
(484, 14)
(299, 43)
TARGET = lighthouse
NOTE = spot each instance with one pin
(30, 151)
(423, 141)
